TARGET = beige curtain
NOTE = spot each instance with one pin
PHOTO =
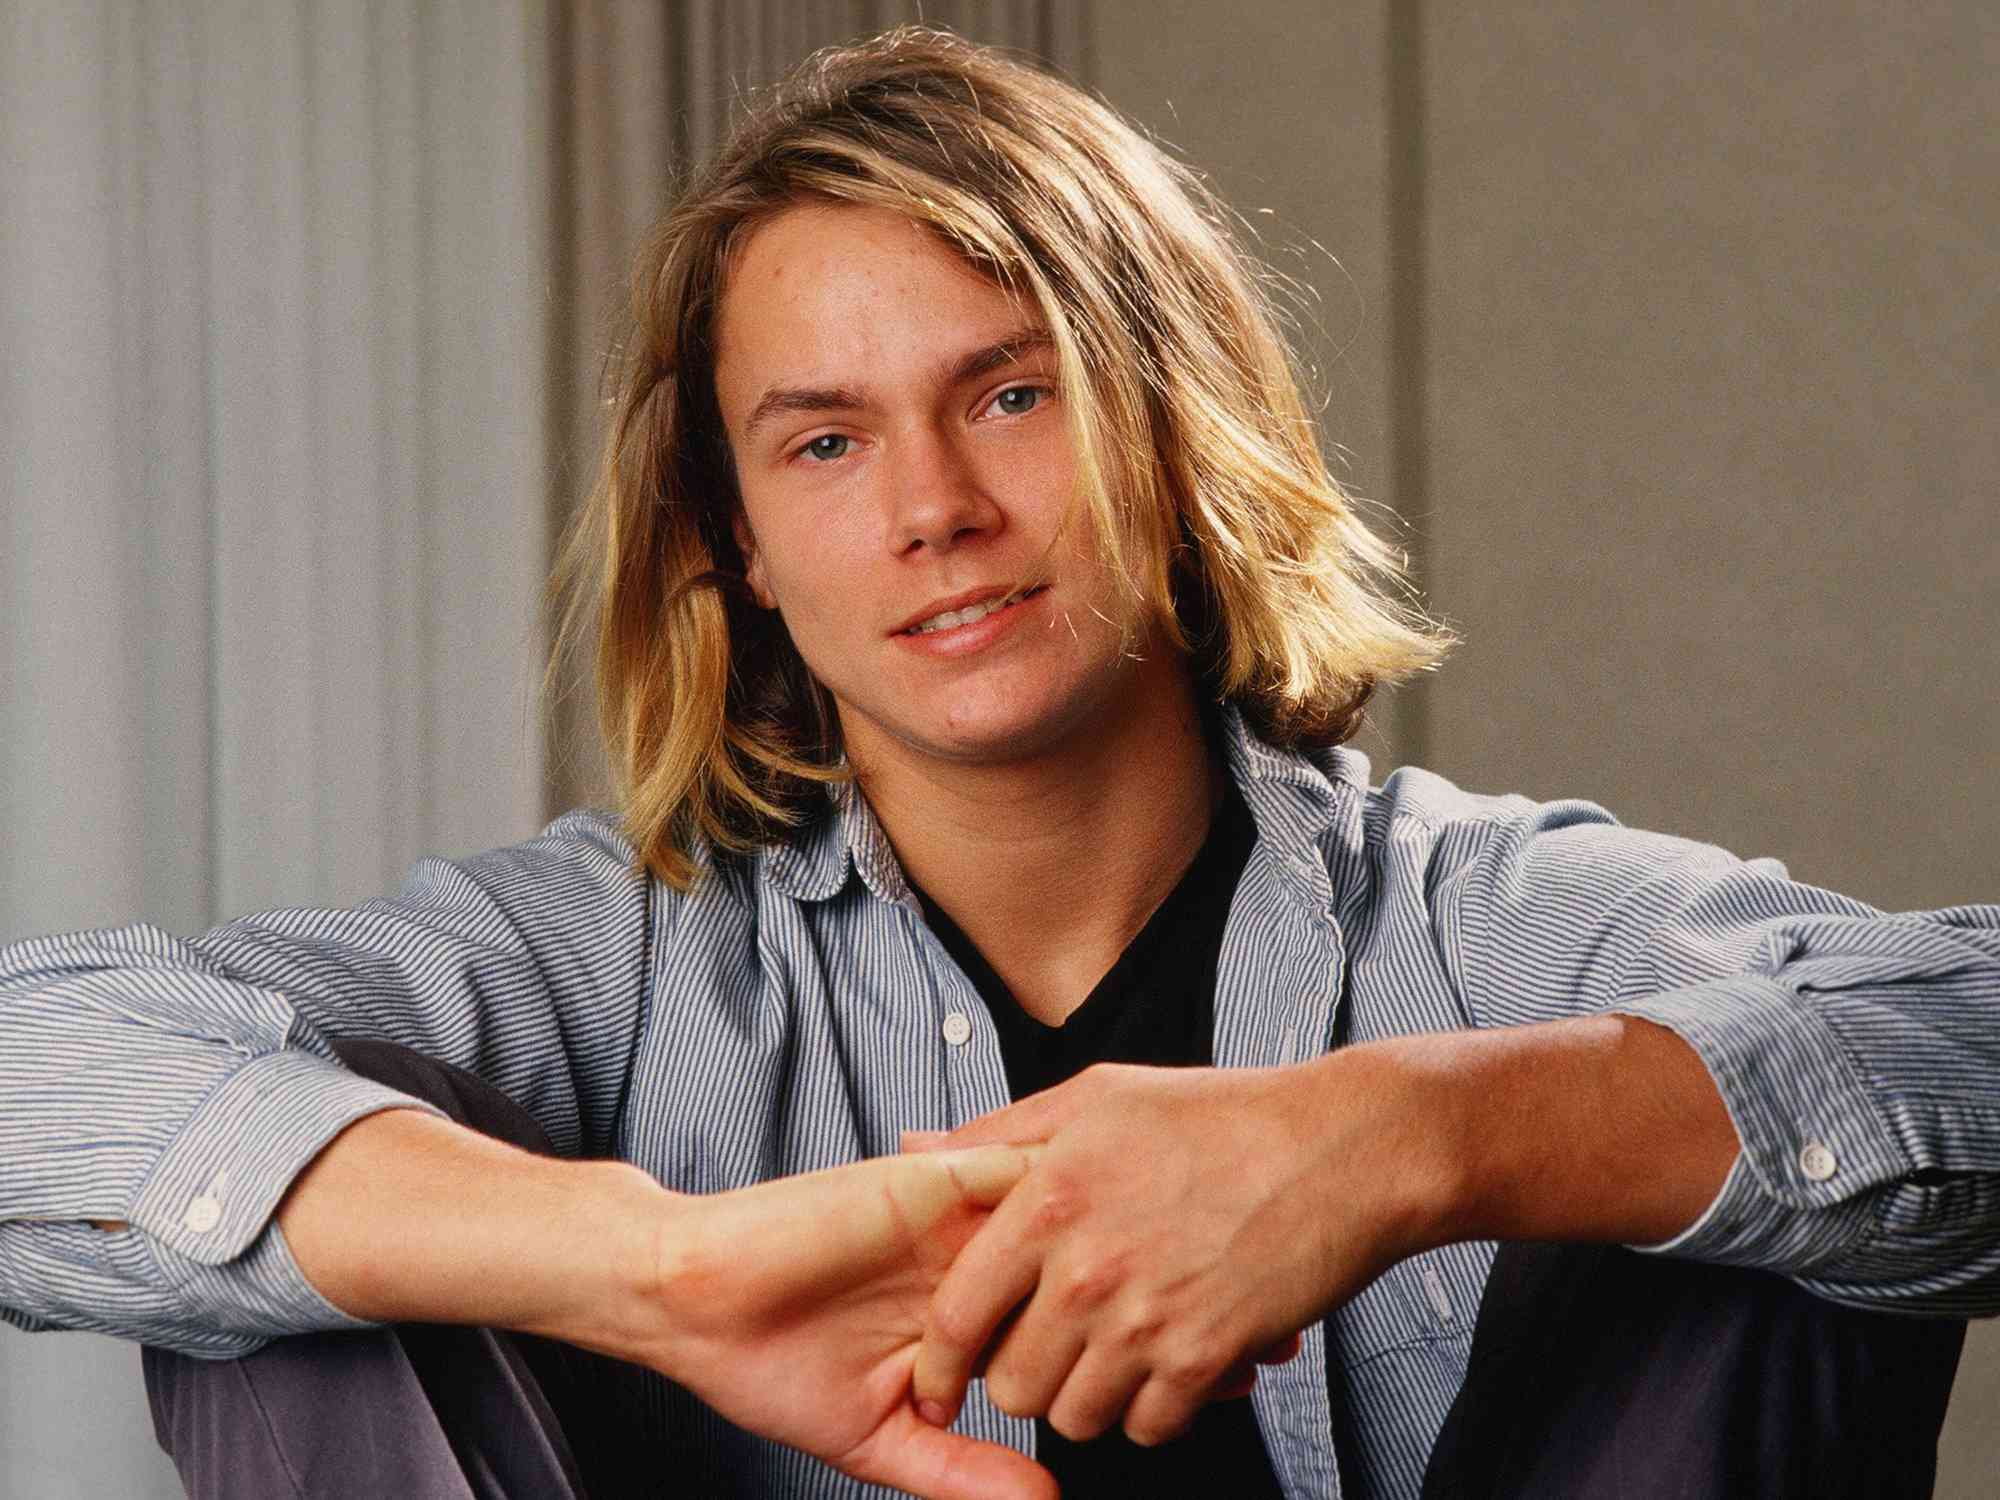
(273, 278)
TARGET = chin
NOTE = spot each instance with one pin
(985, 735)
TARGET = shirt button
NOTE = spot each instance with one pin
(958, 1028)
(202, 1215)
(1817, 1162)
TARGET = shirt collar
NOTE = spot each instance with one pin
(1307, 806)
(1321, 778)
(1292, 796)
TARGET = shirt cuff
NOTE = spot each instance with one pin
(1813, 1143)
(261, 1295)
(219, 1181)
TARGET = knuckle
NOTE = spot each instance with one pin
(1188, 1371)
(1141, 1322)
(954, 1324)
(1060, 1205)
(1092, 1279)
(1103, 1076)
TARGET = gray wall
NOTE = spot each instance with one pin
(1673, 330)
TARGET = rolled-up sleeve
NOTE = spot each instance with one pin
(179, 1086)
(1858, 1052)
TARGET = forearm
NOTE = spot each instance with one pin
(1855, 1050)
(1600, 1128)
(405, 1217)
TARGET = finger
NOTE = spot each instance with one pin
(923, 1140)
(929, 1188)
(984, 1175)
(1237, 1382)
(1034, 1118)
(1282, 1352)
(998, 1338)
(1101, 1389)
(907, 1454)
(1027, 1363)
(1166, 1405)
(1095, 1395)
(993, 1273)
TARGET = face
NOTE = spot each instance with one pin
(905, 469)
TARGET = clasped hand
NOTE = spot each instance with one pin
(1176, 1230)
(1152, 1233)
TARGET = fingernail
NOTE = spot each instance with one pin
(934, 1413)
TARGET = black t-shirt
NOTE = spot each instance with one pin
(1156, 1006)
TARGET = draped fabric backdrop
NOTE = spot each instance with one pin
(304, 303)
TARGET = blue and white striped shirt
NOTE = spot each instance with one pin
(793, 1012)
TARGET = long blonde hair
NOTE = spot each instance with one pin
(1198, 469)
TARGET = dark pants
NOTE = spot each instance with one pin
(1598, 1374)
(1595, 1374)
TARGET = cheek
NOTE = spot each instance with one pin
(1035, 481)
(817, 577)
(789, 557)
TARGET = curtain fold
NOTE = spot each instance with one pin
(273, 279)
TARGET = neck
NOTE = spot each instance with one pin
(1051, 863)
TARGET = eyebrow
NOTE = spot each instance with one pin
(969, 366)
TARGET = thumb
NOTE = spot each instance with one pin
(985, 1174)
(927, 1189)
(1024, 1122)
(938, 1464)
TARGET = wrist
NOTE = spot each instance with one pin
(1399, 1147)
(618, 1249)
(1456, 1140)
(1468, 1149)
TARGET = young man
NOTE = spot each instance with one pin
(977, 632)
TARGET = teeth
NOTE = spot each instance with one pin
(955, 617)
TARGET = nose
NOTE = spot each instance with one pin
(937, 499)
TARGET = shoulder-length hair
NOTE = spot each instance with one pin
(1198, 469)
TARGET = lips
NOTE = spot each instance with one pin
(963, 609)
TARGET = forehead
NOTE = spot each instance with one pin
(812, 248)
(824, 290)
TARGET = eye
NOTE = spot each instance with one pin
(1018, 400)
(827, 446)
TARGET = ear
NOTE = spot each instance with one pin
(753, 561)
